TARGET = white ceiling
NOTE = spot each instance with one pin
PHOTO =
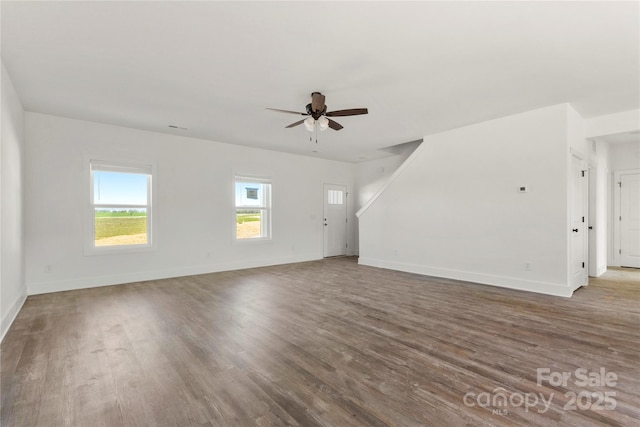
(420, 67)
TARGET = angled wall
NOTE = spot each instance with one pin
(456, 210)
(374, 175)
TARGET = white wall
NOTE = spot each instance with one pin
(372, 175)
(455, 210)
(624, 156)
(13, 290)
(461, 192)
(195, 206)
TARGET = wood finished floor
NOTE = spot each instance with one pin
(326, 343)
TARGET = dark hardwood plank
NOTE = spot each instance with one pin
(326, 343)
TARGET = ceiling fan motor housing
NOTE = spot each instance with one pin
(315, 114)
(317, 109)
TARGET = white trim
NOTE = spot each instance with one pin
(11, 315)
(546, 288)
(123, 167)
(586, 166)
(266, 231)
(252, 178)
(392, 178)
(148, 168)
(120, 279)
(616, 212)
(346, 211)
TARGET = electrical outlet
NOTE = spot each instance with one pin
(527, 266)
(47, 268)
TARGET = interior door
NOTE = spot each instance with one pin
(630, 220)
(579, 228)
(335, 220)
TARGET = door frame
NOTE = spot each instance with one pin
(346, 213)
(617, 194)
(586, 190)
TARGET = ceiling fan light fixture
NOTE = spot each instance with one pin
(323, 122)
(309, 123)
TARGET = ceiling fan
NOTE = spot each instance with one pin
(317, 112)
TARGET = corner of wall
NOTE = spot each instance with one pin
(13, 288)
(10, 315)
(392, 178)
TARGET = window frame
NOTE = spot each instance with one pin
(266, 231)
(143, 168)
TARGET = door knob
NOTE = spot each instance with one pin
(575, 230)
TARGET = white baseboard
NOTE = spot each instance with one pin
(480, 278)
(10, 316)
(119, 279)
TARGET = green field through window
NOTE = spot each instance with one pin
(126, 227)
(248, 224)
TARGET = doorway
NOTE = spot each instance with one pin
(627, 218)
(579, 239)
(335, 220)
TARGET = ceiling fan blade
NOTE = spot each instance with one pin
(334, 125)
(317, 101)
(299, 122)
(286, 111)
(350, 112)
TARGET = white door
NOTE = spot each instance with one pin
(629, 219)
(335, 220)
(579, 228)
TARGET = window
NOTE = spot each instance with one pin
(121, 209)
(334, 197)
(253, 208)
